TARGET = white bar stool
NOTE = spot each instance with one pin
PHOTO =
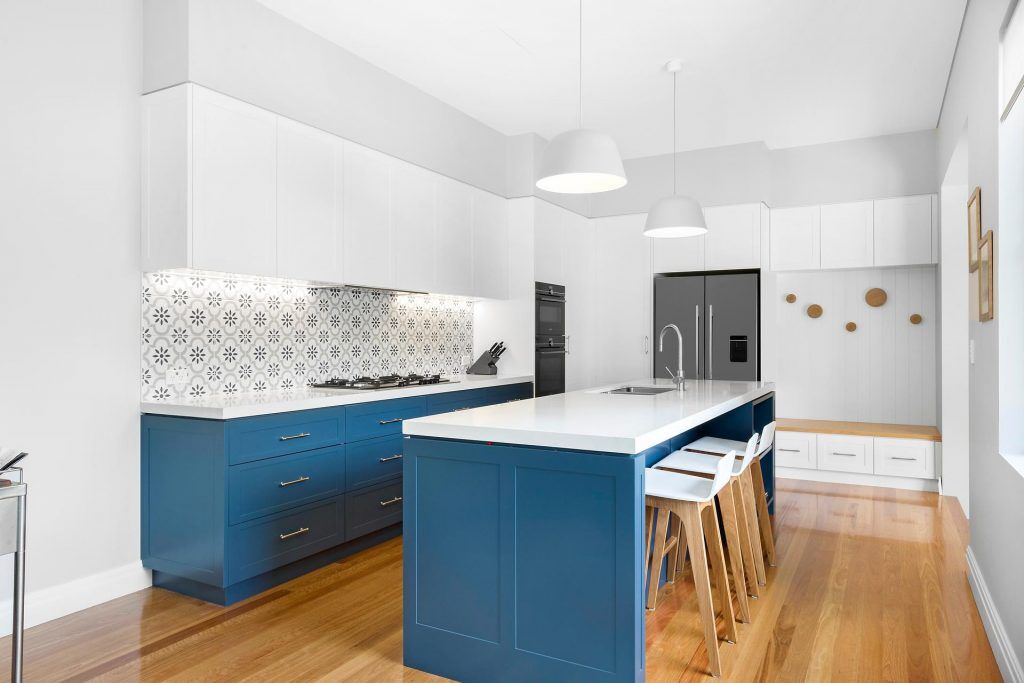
(735, 513)
(690, 499)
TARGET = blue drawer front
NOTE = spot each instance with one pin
(257, 547)
(474, 398)
(373, 461)
(373, 508)
(512, 392)
(267, 436)
(263, 487)
(382, 418)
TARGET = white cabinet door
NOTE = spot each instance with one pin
(796, 449)
(166, 178)
(548, 243)
(579, 302)
(847, 235)
(795, 235)
(453, 250)
(905, 457)
(366, 245)
(733, 240)
(234, 215)
(308, 203)
(490, 245)
(841, 453)
(622, 288)
(677, 254)
(412, 227)
(903, 231)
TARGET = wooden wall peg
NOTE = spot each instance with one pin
(876, 297)
(791, 298)
(916, 319)
(814, 311)
(851, 327)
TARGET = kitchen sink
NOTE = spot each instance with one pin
(640, 391)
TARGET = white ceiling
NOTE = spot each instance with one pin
(786, 72)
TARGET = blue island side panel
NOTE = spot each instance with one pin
(522, 564)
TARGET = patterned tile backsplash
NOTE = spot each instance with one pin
(227, 335)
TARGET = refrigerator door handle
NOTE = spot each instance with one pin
(711, 341)
(696, 341)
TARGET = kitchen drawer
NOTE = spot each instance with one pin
(373, 461)
(267, 436)
(456, 400)
(511, 392)
(382, 418)
(905, 457)
(372, 509)
(840, 453)
(263, 487)
(264, 544)
(796, 449)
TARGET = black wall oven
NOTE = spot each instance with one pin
(550, 349)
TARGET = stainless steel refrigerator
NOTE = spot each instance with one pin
(719, 320)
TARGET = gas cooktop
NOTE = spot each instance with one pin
(383, 382)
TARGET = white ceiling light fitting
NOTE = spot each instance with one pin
(677, 215)
(581, 161)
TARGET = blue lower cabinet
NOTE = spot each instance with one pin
(373, 508)
(373, 461)
(267, 436)
(264, 487)
(475, 398)
(382, 418)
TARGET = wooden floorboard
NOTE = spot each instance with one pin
(870, 585)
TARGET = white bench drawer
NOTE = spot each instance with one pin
(796, 449)
(905, 458)
(841, 453)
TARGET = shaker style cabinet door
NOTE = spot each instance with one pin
(234, 220)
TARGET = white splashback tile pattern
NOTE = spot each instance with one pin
(230, 335)
(885, 371)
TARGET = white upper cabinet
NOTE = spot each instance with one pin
(234, 210)
(413, 207)
(581, 303)
(548, 243)
(490, 245)
(367, 240)
(733, 240)
(847, 235)
(677, 254)
(795, 235)
(309, 211)
(903, 231)
(453, 247)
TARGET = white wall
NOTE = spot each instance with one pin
(885, 371)
(996, 488)
(69, 292)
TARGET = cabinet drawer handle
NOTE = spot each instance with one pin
(790, 450)
(396, 456)
(848, 455)
(391, 421)
(385, 503)
(298, 532)
(896, 457)
(513, 400)
(462, 408)
(294, 481)
(303, 435)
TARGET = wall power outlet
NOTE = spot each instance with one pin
(176, 377)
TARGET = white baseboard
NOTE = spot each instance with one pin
(829, 477)
(51, 603)
(1009, 664)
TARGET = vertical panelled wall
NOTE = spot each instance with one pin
(885, 371)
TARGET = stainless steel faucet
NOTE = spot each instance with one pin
(679, 378)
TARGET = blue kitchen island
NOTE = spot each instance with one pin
(524, 524)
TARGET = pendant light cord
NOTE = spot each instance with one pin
(579, 120)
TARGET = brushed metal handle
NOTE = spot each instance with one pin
(396, 456)
(298, 532)
(790, 450)
(391, 421)
(849, 455)
(294, 481)
(567, 344)
(462, 408)
(303, 435)
(711, 341)
(696, 341)
(646, 344)
(385, 503)
(896, 457)
(513, 400)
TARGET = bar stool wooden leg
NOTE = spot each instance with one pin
(675, 535)
(716, 554)
(654, 575)
(763, 519)
(753, 590)
(694, 529)
(749, 508)
(648, 524)
(730, 521)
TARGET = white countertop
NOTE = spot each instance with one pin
(226, 407)
(592, 420)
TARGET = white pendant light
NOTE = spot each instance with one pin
(678, 215)
(581, 161)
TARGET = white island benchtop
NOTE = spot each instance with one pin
(227, 407)
(592, 420)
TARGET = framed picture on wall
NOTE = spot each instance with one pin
(986, 281)
(973, 229)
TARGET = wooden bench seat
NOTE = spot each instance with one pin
(891, 431)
